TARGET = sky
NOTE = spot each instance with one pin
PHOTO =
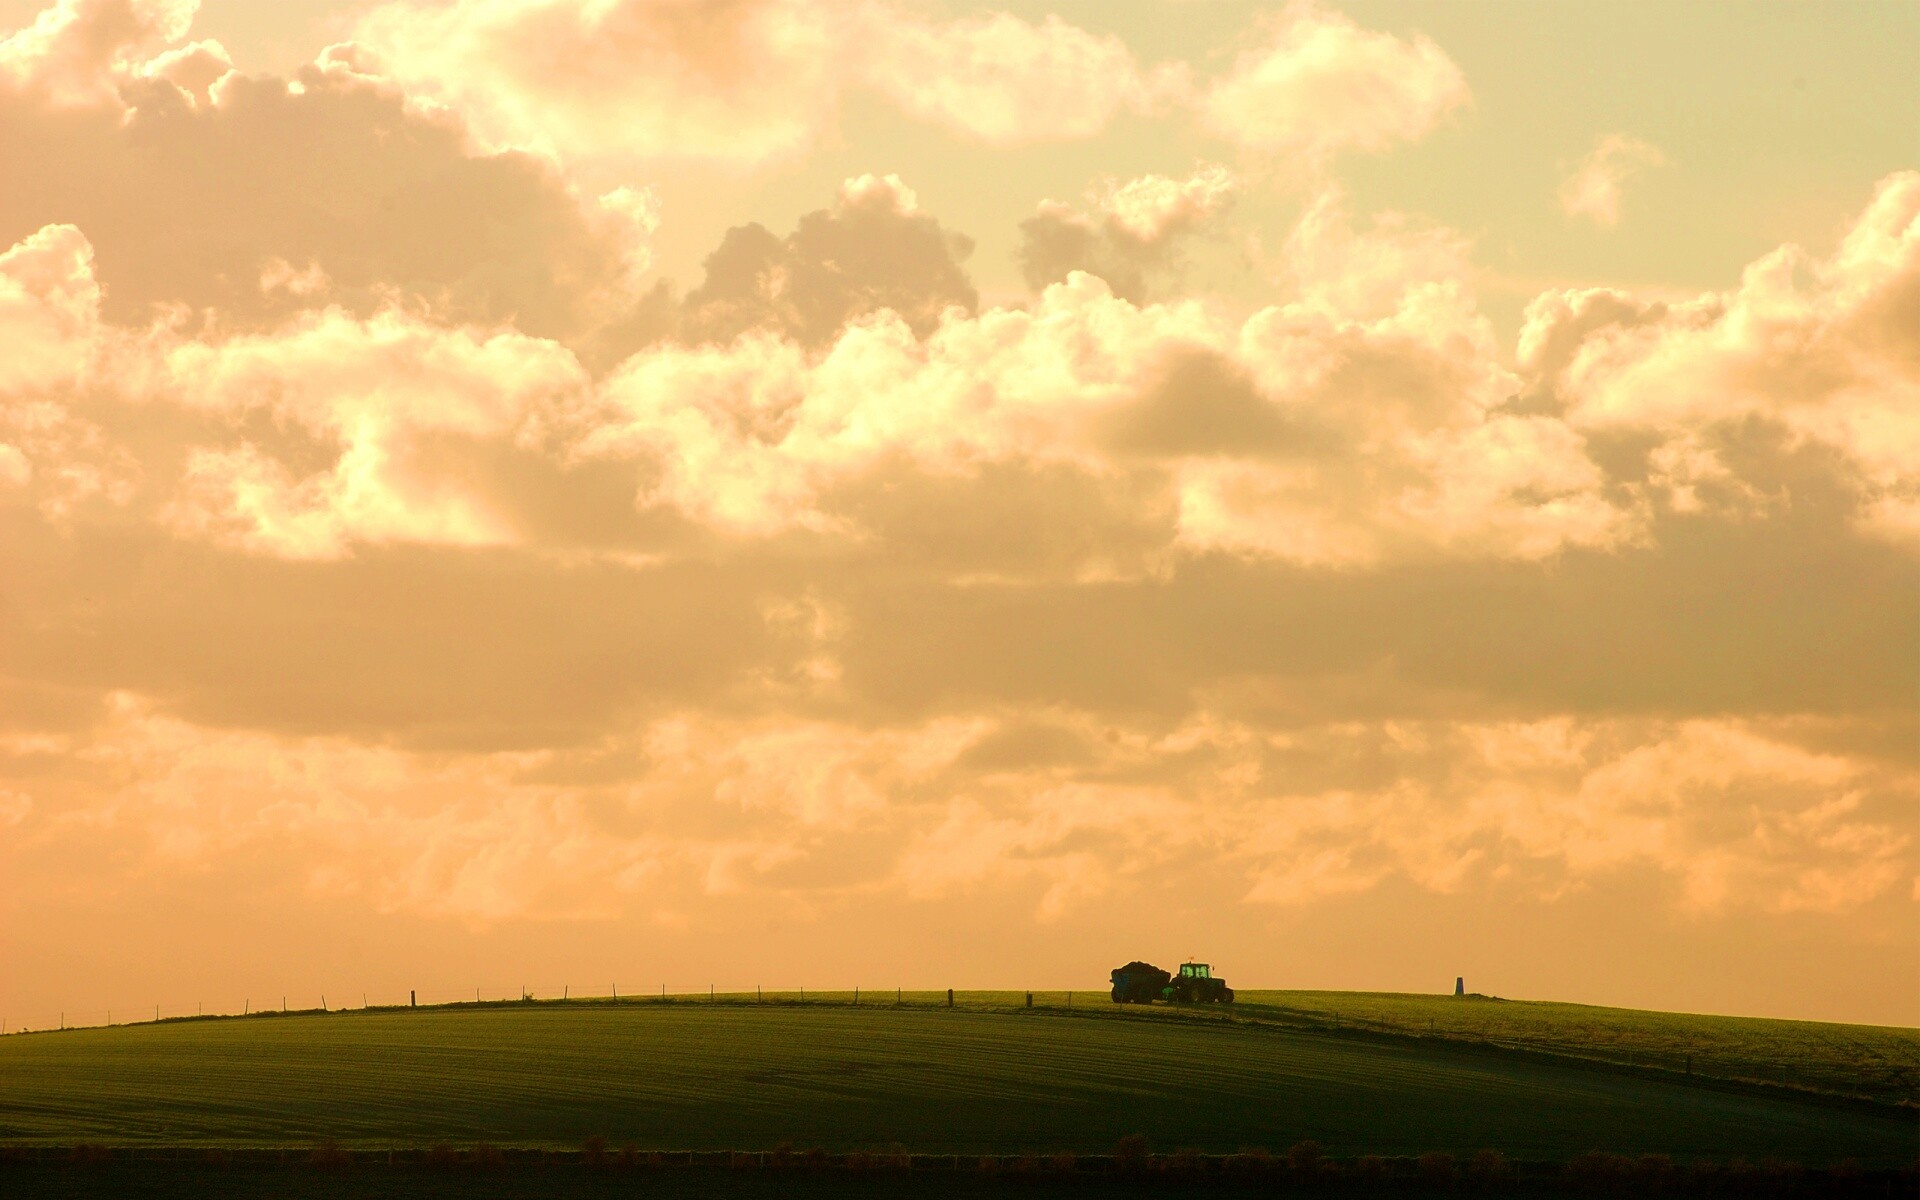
(577, 493)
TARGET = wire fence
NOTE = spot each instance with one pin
(290, 1003)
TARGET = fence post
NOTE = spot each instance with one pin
(949, 997)
(856, 997)
(1029, 999)
(413, 998)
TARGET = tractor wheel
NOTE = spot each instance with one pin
(1119, 997)
(1226, 995)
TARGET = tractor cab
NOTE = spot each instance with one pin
(1195, 970)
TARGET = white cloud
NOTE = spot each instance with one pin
(999, 79)
(1595, 187)
(79, 52)
(1318, 83)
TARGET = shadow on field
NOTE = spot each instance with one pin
(328, 1172)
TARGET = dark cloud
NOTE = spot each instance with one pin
(870, 252)
(193, 204)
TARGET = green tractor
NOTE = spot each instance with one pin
(1195, 984)
(1143, 983)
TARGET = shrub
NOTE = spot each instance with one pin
(989, 1164)
(1436, 1167)
(1131, 1151)
(1305, 1158)
(1182, 1162)
(90, 1152)
(1064, 1162)
(442, 1155)
(484, 1155)
(1597, 1168)
(1370, 1168)
(1251, 1160)
(782, 1156)
(1488, 1166)
(593, 1151)
(858, 1161)
(328, 1155)
(1654, 1170)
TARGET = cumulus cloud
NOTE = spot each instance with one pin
(78, 52)
(1317, 83)
(743, 80)
(1128, 232)
(1725, 390)
(999, 79)
(220, 179)
(353, 582)
(1729, 815)
(1595, 187)
(873, 251)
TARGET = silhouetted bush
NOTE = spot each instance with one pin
(1064, 1163)
(1654, 1171)
(328, 1156)
(1488, 1166)
(1597, 1169)
(1436, 1168)
(782, 1156)
(1305, 1158)
(90, 1153)
(1184, 1162)
(484, 1155)
(442, 1155)
(1251, 1161)
(1369, 1168)
(593, 1152)
(1130, 1152)
(989, 1164)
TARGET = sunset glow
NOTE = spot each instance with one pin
(884, 493)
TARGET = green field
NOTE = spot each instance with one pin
(974, 1079)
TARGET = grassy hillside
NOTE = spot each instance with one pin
(1872, 1061)
(718, 1076)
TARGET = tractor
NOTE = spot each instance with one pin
(1195, 984)
(1143, 983)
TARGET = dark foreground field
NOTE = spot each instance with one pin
(700, 1077)
(1007, 1180)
